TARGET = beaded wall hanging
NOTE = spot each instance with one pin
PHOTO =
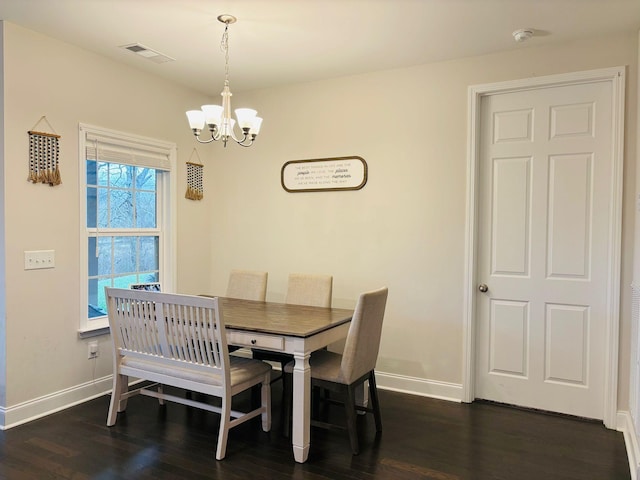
(195, 190)
(44, 156)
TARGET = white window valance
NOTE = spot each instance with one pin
(135, 151)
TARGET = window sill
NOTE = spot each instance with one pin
(94, 332)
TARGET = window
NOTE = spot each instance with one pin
(126, 187)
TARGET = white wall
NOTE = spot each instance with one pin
(630, 421)
(405, 229)
(42, 76)
(3, 363)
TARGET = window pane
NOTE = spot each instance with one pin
(104, 255)
(103, 209)
(92, 259)
(125, 281)
(124, 255)
(148, 277)
(103, 174)
(91, 207)
(148, 254)
(145, 210)
(121, 203)
(97, 302)
(121, 176)
(92, 172)
(145, 179)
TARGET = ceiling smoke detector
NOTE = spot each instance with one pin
(522, 35)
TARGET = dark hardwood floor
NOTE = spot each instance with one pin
(422, 439)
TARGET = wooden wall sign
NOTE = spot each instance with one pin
(324, 174)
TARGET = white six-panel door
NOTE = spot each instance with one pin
(544, 221)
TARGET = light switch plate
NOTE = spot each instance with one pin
(36, 259)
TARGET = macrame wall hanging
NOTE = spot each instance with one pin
(44, 155)
(194, 178)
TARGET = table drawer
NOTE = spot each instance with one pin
(248, 339)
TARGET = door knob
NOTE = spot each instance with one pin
(483, 287)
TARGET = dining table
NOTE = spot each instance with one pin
(298, 330)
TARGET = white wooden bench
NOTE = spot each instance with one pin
(180, 340)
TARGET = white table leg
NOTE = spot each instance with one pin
(301, 407)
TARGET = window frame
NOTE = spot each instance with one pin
(166, 188)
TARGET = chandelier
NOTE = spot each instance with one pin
(218, 117)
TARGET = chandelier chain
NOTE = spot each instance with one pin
(224, 46)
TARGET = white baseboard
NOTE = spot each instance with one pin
(419, 386)
(54, 402)
(403, 384)
(626, 426)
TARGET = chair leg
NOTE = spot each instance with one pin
(266, 403)
(350, 409)
(287, 399)
(373, 395)
(285, 379)
(315, 402)
(160, 391)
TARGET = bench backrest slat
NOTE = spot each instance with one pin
(183, 328)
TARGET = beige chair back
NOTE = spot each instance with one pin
(311, 290)
(363, 340)
(247, 285)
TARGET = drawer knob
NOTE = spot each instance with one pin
(253, 341)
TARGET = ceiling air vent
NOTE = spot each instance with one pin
(148, 53)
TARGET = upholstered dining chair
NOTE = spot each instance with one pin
(247, 285)
(311, 290)
(343, 373)
(302, 289)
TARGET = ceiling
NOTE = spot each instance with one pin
(279, 42)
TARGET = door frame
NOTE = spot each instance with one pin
(616, 76)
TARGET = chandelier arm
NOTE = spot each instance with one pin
(215, 133)
(249, 138)
(205, 141)
(245, 136)
(215, 136)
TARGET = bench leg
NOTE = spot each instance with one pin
(225, 419)
(120, 385)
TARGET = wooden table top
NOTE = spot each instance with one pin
(280, 318)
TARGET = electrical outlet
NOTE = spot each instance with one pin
(93, 350)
